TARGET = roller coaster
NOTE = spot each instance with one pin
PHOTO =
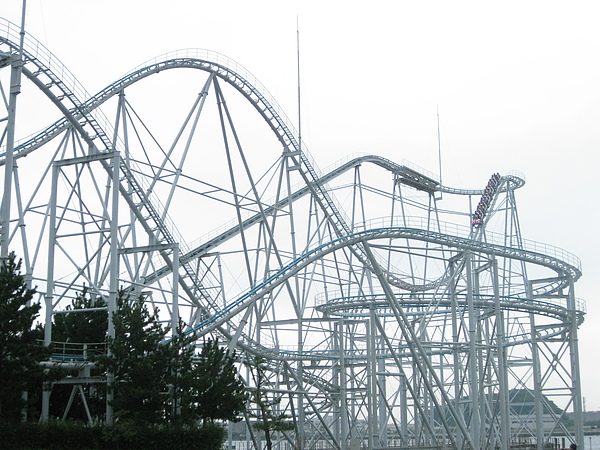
(392, 311)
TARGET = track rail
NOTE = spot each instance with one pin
(562, 268)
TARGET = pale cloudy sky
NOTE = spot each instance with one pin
(516, 84)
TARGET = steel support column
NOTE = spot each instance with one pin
(575, 370)
(501, 358)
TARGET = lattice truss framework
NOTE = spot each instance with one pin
(392, 310)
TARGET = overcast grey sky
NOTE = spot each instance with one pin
(516, 84)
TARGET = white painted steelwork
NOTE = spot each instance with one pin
(385, 316)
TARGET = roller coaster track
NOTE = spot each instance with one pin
(82, 114)
(208, 245)
(358, 305)
(460, 243)
(509, 181)
(64, 90)
(79, 115)
(43, 69)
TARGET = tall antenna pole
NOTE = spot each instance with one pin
(300, 432)
(299, 103)
(16, 62)
(439, 143)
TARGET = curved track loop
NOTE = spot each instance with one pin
(386, 317)
(562, 268)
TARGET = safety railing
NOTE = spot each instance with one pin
(71, 351)
(463, 231)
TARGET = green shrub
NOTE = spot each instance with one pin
(74, 435)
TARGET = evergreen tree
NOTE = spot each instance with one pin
(82, 330)
(217, 392)
(164, 381)
(20, 349)
(268, 417)
(87, 327)
(141, 366)
(180, 378)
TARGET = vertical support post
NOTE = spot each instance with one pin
(342, 429)
(456, 363)
(443, 433)
(343, 391)
(15, 88)
(336, 383)
(475, 427)
(175, 312)
(16, 62)
(114, 273)
(418, 403)
(537, 377)
(382, 406)
(403, 410)
(300, 399)
(48, 297)
(501, 358)
(372, 381)
(575, 372)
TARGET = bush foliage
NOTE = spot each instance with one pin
(162, 387)
(74, 435)
(20, 352)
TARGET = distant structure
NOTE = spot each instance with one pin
(390, 318)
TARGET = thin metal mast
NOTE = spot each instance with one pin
(300, 405)
(299, 102)
(439, 143)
